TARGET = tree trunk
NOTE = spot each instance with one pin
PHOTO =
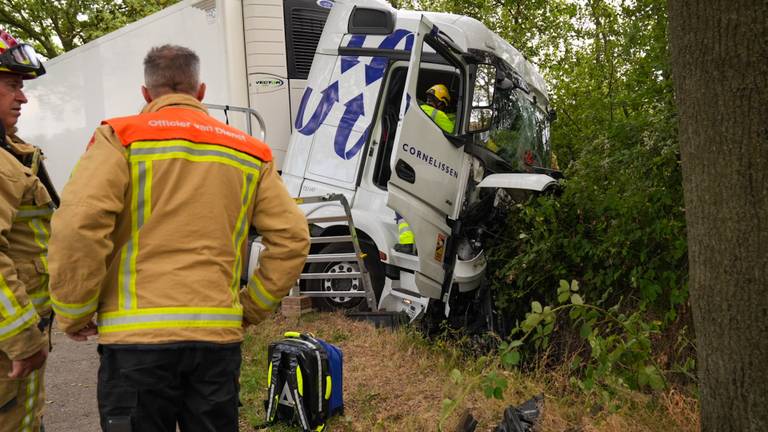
(720, 70)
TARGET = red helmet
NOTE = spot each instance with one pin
(19, 58)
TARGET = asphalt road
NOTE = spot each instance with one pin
(70, 402)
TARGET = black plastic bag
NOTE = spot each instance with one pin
(516, 419)
(521, 418)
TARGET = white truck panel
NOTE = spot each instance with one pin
(268, 85)
(263, 8)
(522, 181)
(102, 79)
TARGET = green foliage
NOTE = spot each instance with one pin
(53, 27)
(617, 350)
(619, 345)
(618, 226)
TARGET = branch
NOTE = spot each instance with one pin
(24, 24)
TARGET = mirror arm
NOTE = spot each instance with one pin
(460, 140)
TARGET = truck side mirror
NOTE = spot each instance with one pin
(481, 115)
(480, 119)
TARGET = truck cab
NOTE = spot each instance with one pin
(361, 131)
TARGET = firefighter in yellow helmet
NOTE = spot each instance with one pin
(26, 205)
(438, 99)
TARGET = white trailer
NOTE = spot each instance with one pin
(254, 54)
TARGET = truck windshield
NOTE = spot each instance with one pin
(519, 133)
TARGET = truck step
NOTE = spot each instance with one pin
(350, 275)
(331, 239)
(333, 293)
(324, 219)
(332, 257)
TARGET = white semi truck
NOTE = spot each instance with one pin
(351, 125)
(360, 131)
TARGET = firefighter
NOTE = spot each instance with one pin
(152, 231)
(405, 239)
(25, 211)
(438, 99)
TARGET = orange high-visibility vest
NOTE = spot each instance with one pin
(189, 125)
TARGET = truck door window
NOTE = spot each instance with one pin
(430, 73)
(438, 94)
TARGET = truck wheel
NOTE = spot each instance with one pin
(375, 268)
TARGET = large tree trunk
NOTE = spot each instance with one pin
(720, 70)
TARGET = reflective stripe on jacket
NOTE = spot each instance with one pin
(25, 213)
(440, 118)
(153, 228)
(404, 232)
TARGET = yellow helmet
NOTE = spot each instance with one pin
(18, 58)
(440, 92)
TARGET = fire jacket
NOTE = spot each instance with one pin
(446, 122)
(153, 226)
(25, 213)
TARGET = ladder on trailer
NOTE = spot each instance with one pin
(357, 256)
(249, 112)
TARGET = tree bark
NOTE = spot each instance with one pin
(720, 70)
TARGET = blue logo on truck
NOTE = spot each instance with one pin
(354, 108)
(330, 97)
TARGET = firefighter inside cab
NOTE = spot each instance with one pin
(26, 205)
(437, 101)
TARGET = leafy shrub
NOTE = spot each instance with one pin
(618, 228)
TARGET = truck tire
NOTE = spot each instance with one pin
(372, 262)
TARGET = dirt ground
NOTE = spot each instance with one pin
(71, 386)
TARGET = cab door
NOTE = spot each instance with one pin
(429, 172)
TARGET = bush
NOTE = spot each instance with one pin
(618, 228)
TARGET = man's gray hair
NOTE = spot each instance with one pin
(171, 69)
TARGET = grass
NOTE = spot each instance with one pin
(397, 381)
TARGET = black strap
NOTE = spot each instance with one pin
(293, 387)
(42, 174)
(275, 386)
(46, 323)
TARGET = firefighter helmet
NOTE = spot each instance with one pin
(440, 92)
(18, 58)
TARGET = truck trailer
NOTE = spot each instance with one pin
(255, 54)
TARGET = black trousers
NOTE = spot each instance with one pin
(151, 388)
